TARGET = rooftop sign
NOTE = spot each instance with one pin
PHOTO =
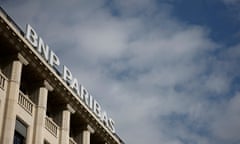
(67, 76)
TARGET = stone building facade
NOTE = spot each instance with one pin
(36, 105)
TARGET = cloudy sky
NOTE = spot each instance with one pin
(167, 71)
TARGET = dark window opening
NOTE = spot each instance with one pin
(20, 133)
(18, 138)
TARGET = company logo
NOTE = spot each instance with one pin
(67, 76)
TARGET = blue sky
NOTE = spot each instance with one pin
(167, 71)
(216, 15)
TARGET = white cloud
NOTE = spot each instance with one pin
(226, 126)
(143, 65)
(104, 39)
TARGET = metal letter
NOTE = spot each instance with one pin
(97, 108)
(54, 60)
(90, 101)
(104, 118)
(67, 75)
(74, 85)
(43, 49)
(31, 35)
(111, 125)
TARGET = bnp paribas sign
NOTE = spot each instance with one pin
(82, 93)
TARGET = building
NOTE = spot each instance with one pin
(37, 104)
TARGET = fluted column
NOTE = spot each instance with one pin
(12, 99)
(41, 113)
(86, 133)
(65, 127)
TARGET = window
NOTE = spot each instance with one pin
(46, 142)
(18, 138)
(20, 133)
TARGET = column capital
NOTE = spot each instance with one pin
(47, 85)
(22, 59)
(86, 134)
(70, 108)
(88, 128)
(66, 107)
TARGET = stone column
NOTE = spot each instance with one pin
(65, 127)
(12, 99)
(86, 133)
(41, 113)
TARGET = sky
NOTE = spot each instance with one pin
(167, 71)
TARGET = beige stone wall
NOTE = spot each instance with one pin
(14, 104)
(34, 116)
(3, 90)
